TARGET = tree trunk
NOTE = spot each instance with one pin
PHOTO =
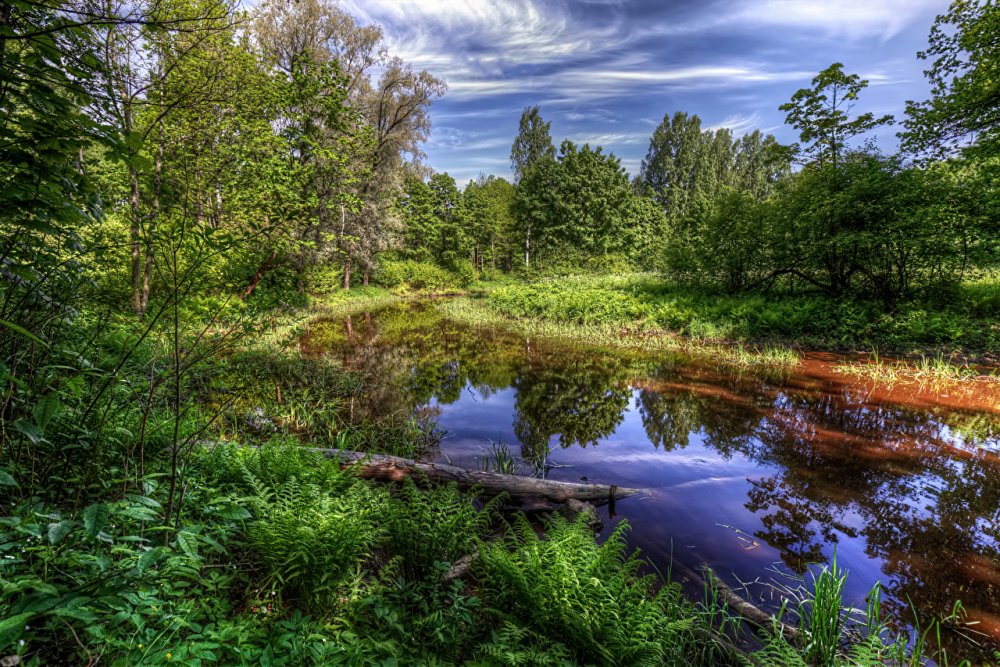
(364, 276)
(147, 274)
(347, 273)
(526, 493)
(135, 232)
(527, 245)
(266, 266)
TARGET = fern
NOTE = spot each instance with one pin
(311, 543)
(514, 646)
(591, 597)
(434, 525)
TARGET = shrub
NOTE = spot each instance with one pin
(410, 274)
(312, 543)
(324, 278)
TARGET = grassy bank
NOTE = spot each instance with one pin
(964, 321)
(769, 359)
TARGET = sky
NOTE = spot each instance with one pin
(605, 72)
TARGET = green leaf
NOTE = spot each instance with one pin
(234, 512)
(188, 542)
(149, 558)
(24, 332)
(94, 518)
(30, 430)
(11, 629)
(45, 410)
(6, 479)
(59, 530)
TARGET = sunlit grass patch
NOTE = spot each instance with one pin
(934, 372)
(739, 356)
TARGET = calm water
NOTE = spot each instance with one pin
(756, 478)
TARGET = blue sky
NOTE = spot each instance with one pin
(606, 71)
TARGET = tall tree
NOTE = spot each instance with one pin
(532, 144)
(582, 199)
(140, 56)
(964, 107)
(488, 202)
(822, 114)
(392, 118)
(669, 172)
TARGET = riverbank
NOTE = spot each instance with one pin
(962, 324)
(943, 344)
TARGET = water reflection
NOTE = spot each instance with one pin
(908, 491)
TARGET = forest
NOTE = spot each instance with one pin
(191, 191)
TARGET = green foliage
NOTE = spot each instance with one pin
(572, 587)
(324, 278)
(962, 111)
(312, 542)
(569, 301)
(648, 304)
(439, 525)
(686, 168)
(532, 143)
(423, 276)
(821, 114)
(515, 646)
(582, 199)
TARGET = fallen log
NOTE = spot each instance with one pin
(749, 611)
(527, 493)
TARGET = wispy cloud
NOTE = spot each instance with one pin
(605, 71)
(845, 18)
(738, 123)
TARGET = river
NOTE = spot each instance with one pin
(759, 477)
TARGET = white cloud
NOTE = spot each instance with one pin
(609, 139)
(739, 124)
(845, 18)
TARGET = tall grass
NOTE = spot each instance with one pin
(934, 372)
(773, 360)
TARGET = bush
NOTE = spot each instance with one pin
(410, 274)
(570, 302)
(433, 526)
(324, 278)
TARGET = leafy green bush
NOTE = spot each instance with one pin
(410, 274)
(642, 302)
(568, 301)
(324, 278)
(311, 543)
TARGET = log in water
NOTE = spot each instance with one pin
(523, 492)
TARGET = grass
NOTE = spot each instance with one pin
(768, 359)
(936, 372)
(962, 321)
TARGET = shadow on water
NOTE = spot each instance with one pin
(757, 478)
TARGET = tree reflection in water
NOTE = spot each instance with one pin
(919, 486)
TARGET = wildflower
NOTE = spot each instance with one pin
(168, 656)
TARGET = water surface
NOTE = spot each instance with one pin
(757, 477)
